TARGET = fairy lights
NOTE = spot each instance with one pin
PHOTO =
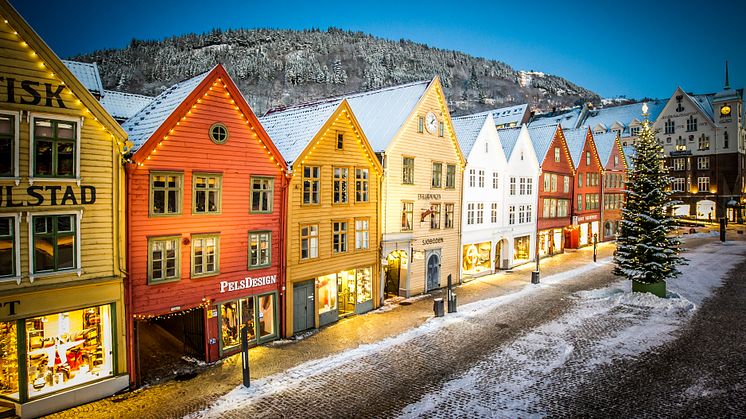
(178, 313)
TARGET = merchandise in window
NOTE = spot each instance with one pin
(54, 243)
(476, 258)
(327, 286)
(261, 194)
(364, 285)
(266, 316)
(7, 247)
(434, 216)
(521, 248)
(207, 193)
(164, 258)
(407, 217)
(9, 370)
(234, 315)
(260, 249)
(165, 193)
(7, 145)
(54, 148)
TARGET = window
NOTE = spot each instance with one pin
(205, 255)
(339, 236)
(704, 142)
(164, 259)
(434, 216)
(407, 171)
(493, 217)
(441, 129)
(261, 194)
(361, 235)
(580, 202)
(7, 145)
(546, 205)
(691, 124)
(725, 139)
(480, 213)
(54, 243)
(407, 216)
(679, 184)
(680, 144)
(634, 131)
(703, 163)
(165, 193)
(521, 214)
(206, 194)
(421, 124)
(556, 154)
(512, 185)
(563, 207)
(470, 216)
(591, 201)
(566, 185)
(522, 186)
(472, 178)
(340, 141)
(448, 221)
(218, 133)
(528, 213)
(511, 214)
(311, 184)
(259, 313)
(580, 180)
(340, 185)
(361, 185)
(437, 175)
(679, 164)
(8, 247)
(703, 184)
(552, 182)
(486, 147)
(309, 241)
(616, 160)
(54, 148)
(260, 249)
(450, 176)
(587, 158)
(669, 127)
(547, 182)
(495, 180)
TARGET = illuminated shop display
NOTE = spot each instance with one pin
(258, 313)
(522, 249)
(476, 258)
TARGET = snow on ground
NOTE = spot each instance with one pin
(605, 324)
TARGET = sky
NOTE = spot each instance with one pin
(632, 48)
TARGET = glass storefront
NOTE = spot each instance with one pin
(349, 291)
(327, 286)
(521, 249)
(550, 242)
(63, 350)
(258, 313)
(476, 258)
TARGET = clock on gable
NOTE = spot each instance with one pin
(431, 122)
(725, 110)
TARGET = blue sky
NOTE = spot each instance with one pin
(633, 48)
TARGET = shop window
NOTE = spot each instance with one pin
(435, 216)
(164, 259)
(339, 236)
(481, 178)
(346, 292)
(309, 241)
(257, 313)
(311, 184)
(8, 248)
(476, 258)
(205, 255)
(327, 289)
(361, 235)
(165, 193)
(54, 148)
(261, 194)
(206, 193)
(65, 350)
(407, 171)
(260, 249)
(9, 365)
(437, 175)
(407, 216)
(219, 133)
(364, 285)
(266, 314)
(361, 185)
(340, 185)
(521, 248)
(448, 220)
(55, 246)
(450, 176)
(8, 145)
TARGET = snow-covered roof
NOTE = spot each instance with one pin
(705, 104)
(292, 129)
(568, 118)
(123, 106)
(508, 139)
(467, 130)
(506, 116)
(145, 122)
(622, 115)
(541, 137)
(88, 75)
(381, 113)
(605, 144)
(575, 142)
(629, 152)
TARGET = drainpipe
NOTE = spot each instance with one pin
(283, 251)
(133, 358)
(460, 209)
(602, 204)
(535, 275)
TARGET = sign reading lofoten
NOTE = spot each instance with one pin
(247, 282)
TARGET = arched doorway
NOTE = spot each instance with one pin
(396, 270)
(433, 271)
(706, 210)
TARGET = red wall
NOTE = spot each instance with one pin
(615, 169)
(583, 169)
(561, 168)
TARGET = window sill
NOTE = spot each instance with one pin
(15, 179)
(163, 281)
(207, 275)
(253, 268)
(76, 180)
(17, 279)
(42, 275)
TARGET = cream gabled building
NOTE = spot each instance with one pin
(409, 127)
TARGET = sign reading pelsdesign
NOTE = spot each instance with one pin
(247, 283)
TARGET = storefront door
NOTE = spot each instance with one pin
(433, 271)
(498, 255)
(303, 306)
(346, 292)
(395, 268)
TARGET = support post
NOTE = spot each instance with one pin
(245, 355)
(722, 229)
(595, 246)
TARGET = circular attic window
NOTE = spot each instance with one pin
(218, 133)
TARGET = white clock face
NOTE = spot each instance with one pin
(431, 122)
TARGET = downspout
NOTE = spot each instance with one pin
(132, 340)
(379, 230)
(601, 228)
(283, 251)
(460, 224)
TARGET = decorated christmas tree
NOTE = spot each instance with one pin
(647, 252)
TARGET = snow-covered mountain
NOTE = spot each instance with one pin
(281, 67)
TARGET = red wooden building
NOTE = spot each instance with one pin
(555, 187)
(587, 195)
(205, 210)
(615, 173)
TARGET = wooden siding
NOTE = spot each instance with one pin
(562, 168)
(611, 168)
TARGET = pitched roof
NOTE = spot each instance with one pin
(293, 129)
(623, 114)
(567, 118)
(508, 139)
(467, 130)
(88, 75)
(605, 144)
(541, 137)
(629, 153)
(575, 142)
(123, 105)
(144, 123)
(705, 104)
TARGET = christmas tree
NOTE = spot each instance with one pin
(647, 253)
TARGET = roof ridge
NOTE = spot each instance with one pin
(129, 94)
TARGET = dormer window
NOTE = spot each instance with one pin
(634, 131)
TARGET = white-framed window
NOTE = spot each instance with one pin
(703, 163)
(512, 185)
(164, 259)
(566, 186)
(55, 147)
(339, 236)
(472, 177)
(547, 182)
(634, 131)
(669, 127)
(481, 178)
(339, 185)
(495, 180)
(529, 217)
(678, 184)
(553, 179)
(703, 184)
(436, 181)
(260, 249)
(587, 158)
(493, 217)
(55, 239)
(205, 255)
(311, 184)
(529, 186)
(362, 178)
(9, 144)
(522, 186)
(521, 214)
(691, 124)
(704, 142)
(556, 154)
(10, 245)
(679, 163)
(480, 213)
(470, 213)
(309, 241)
(435, 216)
(361, 234)
(511, 214)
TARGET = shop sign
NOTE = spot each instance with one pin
(428, 196)
(53, 195)
(247, 283)
(587, 218)
(434, 240)
(9, 307)
(28, 92)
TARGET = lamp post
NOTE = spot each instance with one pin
(595, 246)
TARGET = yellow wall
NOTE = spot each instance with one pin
(323, 153)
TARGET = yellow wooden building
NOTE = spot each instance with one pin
(410, 128)
(332, 229)
(62, 334)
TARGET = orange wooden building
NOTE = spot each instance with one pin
(206, 203)
(587, 204)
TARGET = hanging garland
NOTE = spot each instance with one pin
(204, 305)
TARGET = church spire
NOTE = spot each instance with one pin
(727, 83)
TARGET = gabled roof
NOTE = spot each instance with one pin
(704, 102)
(144, 123)
(508, 139)
(123, 105)
(575, 142)
(568, 118)
(468, 128)
(88, 74)
(623, 114)
(293, 129)
(50, 59)
(542, 137)
(507, 115)
(605, 144)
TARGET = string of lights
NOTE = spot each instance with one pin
(203, 305)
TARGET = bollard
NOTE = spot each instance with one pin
(438, 308)
(535, 277)
(451, 296)
(245, 355)
(722, 229)
(595, 246)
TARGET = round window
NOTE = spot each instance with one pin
(219, 133)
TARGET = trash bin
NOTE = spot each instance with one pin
(438, 308)
(452, 303)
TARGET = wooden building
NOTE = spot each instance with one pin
(62, 328)
(333, 226)
(587, 203)
(610, 151)
(206, 202)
